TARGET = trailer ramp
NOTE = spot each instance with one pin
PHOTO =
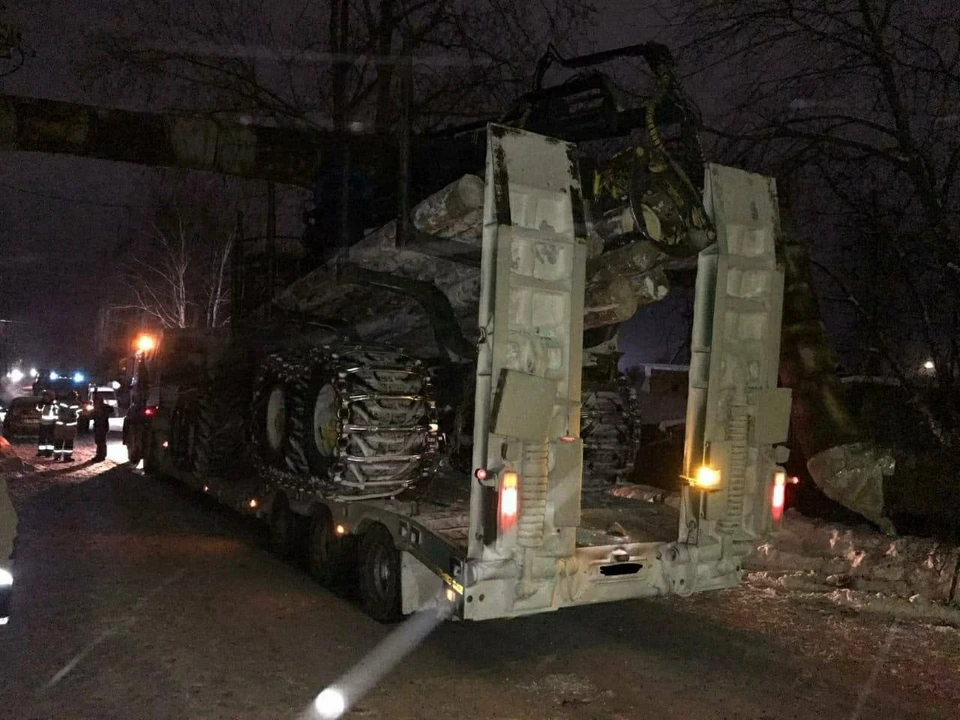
(531, 545)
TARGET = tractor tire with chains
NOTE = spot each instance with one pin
(268, 433)
(354, 416)
(610, 428)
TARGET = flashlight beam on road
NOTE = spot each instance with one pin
(335, 700)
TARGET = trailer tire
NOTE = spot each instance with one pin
(285, 532)
(313, 424)
(135, 446)
(328, 556)
(150, 465)
(380, 575)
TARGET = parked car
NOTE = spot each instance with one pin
(109, 396)
(22, 417)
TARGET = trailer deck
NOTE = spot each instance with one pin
(605, 519)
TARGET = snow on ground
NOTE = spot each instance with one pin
(860, 566)
(855, 567)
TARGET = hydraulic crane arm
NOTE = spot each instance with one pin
(657, 56)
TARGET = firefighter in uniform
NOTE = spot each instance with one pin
(64, 432)
(48, 416)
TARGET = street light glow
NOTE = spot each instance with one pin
(78, 377)
(54, 375)
(146, 343)
(929, 365)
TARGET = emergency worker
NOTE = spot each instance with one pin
(101, 425)
(48, 416)
(64, 432)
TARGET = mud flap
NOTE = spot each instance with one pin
(418, 584)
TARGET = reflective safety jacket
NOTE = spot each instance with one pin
(48, 413)
(67, 413)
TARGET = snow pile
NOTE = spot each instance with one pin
(10, 462)
(815, 555)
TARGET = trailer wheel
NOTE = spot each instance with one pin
(328, 556)
(150, 465)
(284, 528)
(135, 446)
(380, 575)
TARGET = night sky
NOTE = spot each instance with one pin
(60, 217)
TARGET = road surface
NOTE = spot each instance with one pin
(138, 599)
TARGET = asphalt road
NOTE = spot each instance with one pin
(138, 599)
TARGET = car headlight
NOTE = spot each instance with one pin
(6, 591)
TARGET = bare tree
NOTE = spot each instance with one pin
(337, 62)
(177, 270)
(855, 106)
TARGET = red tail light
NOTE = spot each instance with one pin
(779, 496)
(150, 411)
(509, 500)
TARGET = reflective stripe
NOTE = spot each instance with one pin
(68, 414)
(47, 412)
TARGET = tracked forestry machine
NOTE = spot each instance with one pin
(643, 218)
(434, 401)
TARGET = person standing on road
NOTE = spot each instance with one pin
(48, 416)
(64, 432)
(101, 425)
